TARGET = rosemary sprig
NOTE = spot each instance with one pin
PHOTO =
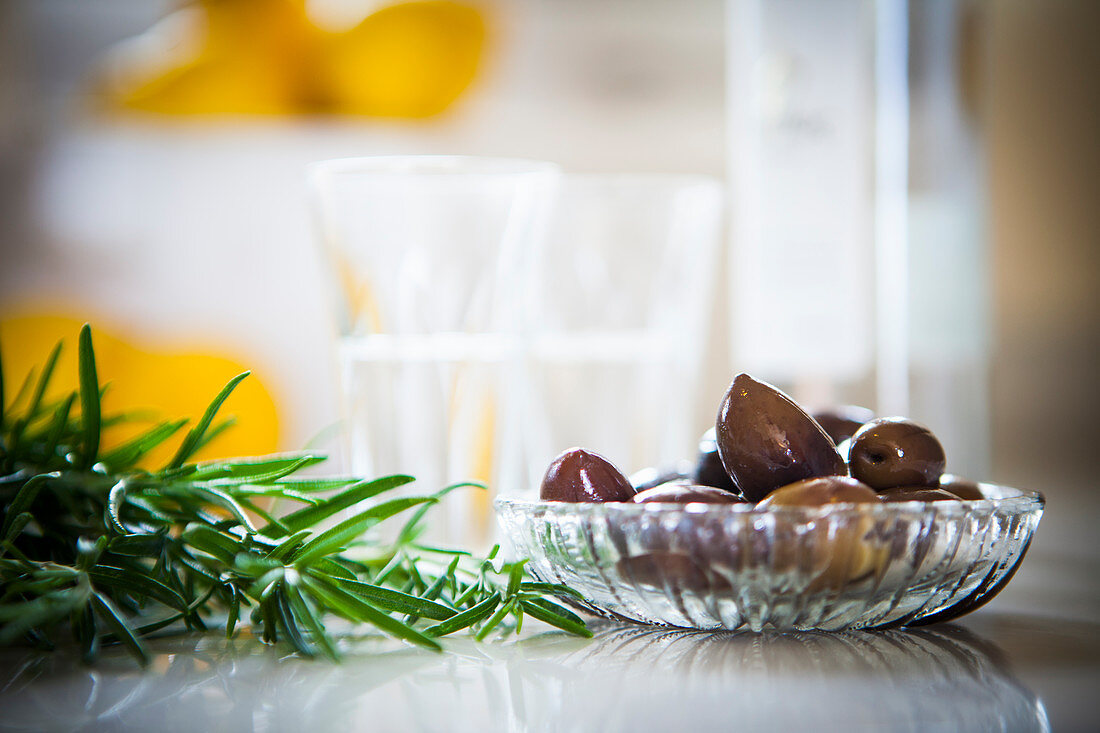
(95, 545)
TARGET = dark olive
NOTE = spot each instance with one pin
(581, 475)
(709, 470)
(916, 493)
(963, 488)
(766, 441)
(652, 476)
(821, 491)
(683, 493)
(842, 422)
(893, 451)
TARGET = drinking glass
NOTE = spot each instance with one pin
(618, 305)
(427, 257)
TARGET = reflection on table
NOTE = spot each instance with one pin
(625, 678)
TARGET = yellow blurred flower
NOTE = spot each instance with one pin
(160, 384)
(226, 57)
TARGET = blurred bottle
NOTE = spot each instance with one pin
(858, 258)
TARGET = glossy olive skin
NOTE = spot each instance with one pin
(821, 491)
(682, 493)
(842, 422)
(709, 470)
(766, 440)
(963, 488)
(578, 475)
(916, 493)
(894, 451)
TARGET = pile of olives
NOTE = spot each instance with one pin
(767, 450)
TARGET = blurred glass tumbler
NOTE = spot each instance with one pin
(619, 307)
(428, 256)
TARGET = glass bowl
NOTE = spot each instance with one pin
(729, 566)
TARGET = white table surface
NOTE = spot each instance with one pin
(1029, 661)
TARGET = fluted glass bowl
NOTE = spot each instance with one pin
(728, 566)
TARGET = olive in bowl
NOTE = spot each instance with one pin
(579, 475)
(895, 451)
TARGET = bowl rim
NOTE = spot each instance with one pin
(1017, 500)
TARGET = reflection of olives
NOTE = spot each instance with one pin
(843, 421)
(580, 475)
(963, 488)
(681, 493)
(916, 493)
(821, 491)
(893, 451)
(674, 569)
(709, 470)
(767, 441)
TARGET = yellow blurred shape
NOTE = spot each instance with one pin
(410, 59)
(167, 385)
(221, 57)
(407, 60)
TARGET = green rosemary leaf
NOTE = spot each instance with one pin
(392, 600)
(495, 620)
(23, 500)
(440, 550)
(43, 382)
(465, 619)
(290, 625)
(253, 470)
(349, 497)
(311, 485)
(272, 492)
(114, 620)
(303, 611)
(89, 398)
(216, 430)
(433, 592)
(87, 634)
(137, 545)
(288, 545)
(556, 589)
(555, 615)
(234, 613)
(17, 526)
(515, 575)
(410, 528)
(132, 451)
(155, 626)
(60, 423)
(212, 542)
(23, 391)
(192, 442)
(355, 608)
(114, 504)
(331, 567)
(116, 579)
(343, 533)
(217, 496)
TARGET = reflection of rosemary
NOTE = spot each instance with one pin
(92, 541)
